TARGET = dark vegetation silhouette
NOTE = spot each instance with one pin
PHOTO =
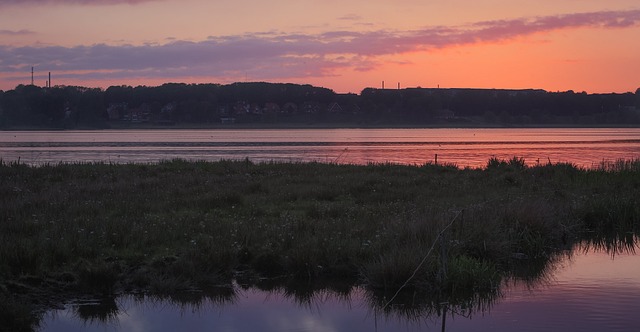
(29, 106)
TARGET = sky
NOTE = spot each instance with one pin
(343, 45)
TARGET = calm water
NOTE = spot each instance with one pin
(464, 147)
(586, 292)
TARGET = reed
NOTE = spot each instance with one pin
(620, 165)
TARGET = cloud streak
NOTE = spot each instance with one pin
(22, 32)
(279, 55)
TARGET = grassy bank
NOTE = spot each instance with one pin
(74, 230)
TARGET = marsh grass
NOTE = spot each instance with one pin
(177, 225)
(620, 165)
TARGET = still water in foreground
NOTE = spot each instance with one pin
(584, 147)
(583, 291)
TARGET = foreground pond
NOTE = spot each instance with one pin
(585, 291)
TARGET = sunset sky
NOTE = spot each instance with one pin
(346, 45)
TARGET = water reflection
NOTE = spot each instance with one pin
(98, 311)
(252, 309)
(464, 147)
(416, 306)
(590, 288)
(619, 244)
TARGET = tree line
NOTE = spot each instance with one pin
(258, 102)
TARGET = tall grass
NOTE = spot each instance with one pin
(620, 165)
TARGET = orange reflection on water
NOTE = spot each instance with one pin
(462, 147)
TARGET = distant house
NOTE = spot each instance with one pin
(138, 115)
(311, 107)
(334, 108)
(166, 114)
(271, 108)
(169, 108)
(227, 120)
(117, 110)
(289, 108)
(240, 107)
(256, 109)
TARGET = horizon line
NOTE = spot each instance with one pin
(438, 87)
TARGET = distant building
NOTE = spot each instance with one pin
(138, 115)
(444, 114)
(289, 108)
(117, 110)
(334, 108)
(271, 108)
(227, 120)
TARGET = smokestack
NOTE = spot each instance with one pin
(398, 85)
(49, 79)
(382, 85)
(31, 75)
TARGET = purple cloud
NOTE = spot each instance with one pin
(22, 32)
(277, 55)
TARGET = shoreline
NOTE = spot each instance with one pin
(285, 126)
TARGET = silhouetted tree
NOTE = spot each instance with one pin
(60, 106)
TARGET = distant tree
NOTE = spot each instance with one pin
(490, 117)
(35, 106)
(61, 106)
(119, 94)
(90, 107)
(2, 119)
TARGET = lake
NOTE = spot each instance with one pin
(584, 291)
(585, 147)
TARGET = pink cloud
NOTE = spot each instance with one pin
(350, 17)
